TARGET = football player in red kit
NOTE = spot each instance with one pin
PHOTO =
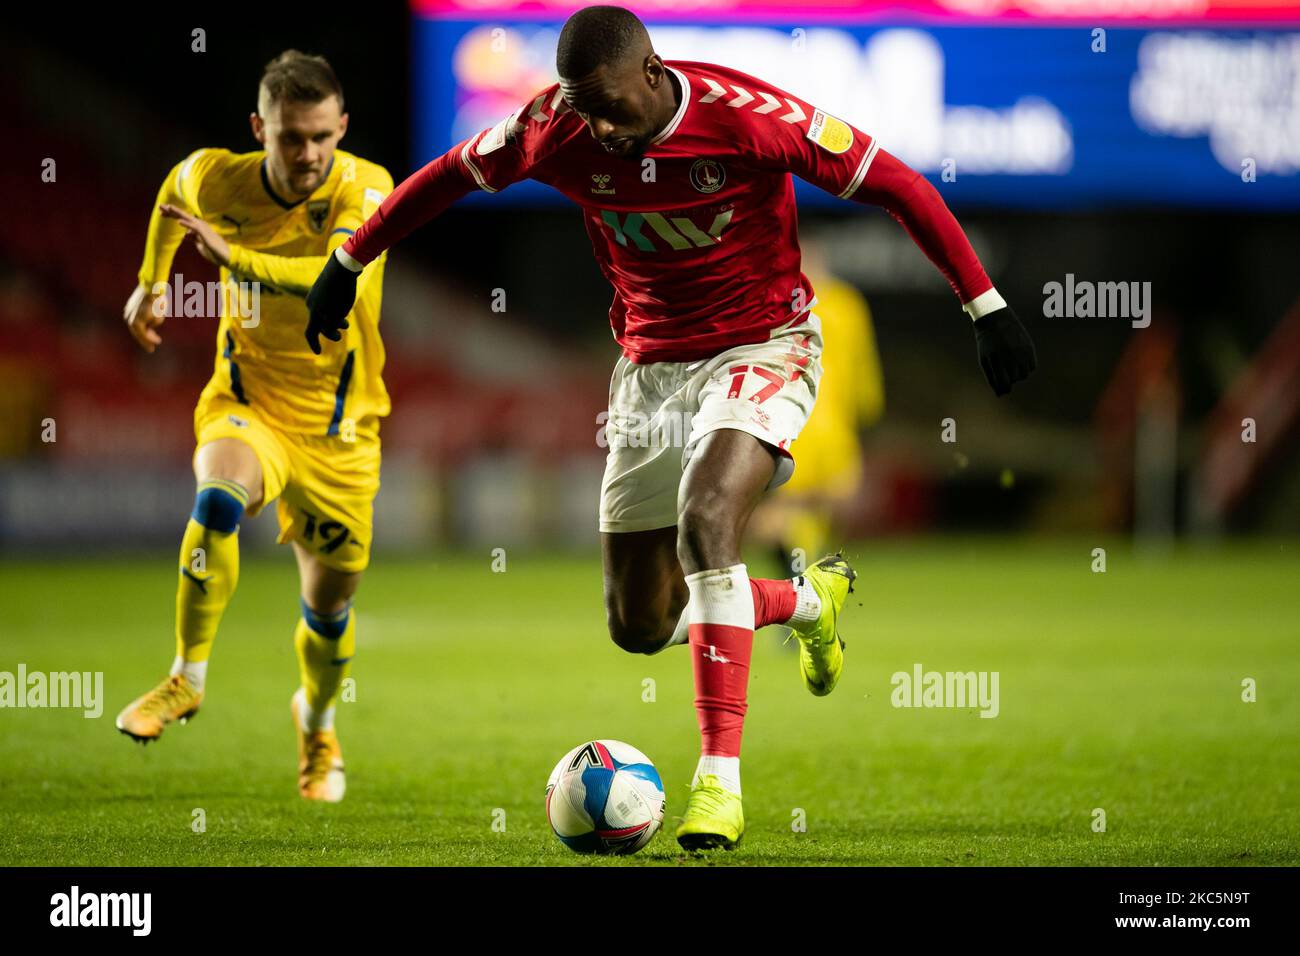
(682, 171)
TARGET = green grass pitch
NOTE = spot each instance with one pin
(1120, 691)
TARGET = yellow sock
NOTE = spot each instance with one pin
(325, 645)
(209, 566)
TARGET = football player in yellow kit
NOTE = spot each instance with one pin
(850, 398)
(275, 422)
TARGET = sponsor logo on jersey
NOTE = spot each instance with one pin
(318, 211)
(707, 175)
(831, 134)
(655, 231)
(600, 184)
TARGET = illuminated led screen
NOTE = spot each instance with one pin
(1039, 104)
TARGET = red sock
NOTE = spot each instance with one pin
(773, 601)
(722, 638)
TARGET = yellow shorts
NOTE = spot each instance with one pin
(325, 485)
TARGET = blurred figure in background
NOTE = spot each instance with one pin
(807, 512)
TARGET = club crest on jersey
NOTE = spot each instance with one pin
(600, 184)
(707, 175)
(831, 134)
(318, 211)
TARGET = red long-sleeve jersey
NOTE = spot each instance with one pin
(699, 235)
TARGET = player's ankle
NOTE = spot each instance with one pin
(194, 672)
(726, 769)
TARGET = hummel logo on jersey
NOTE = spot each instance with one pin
(600, 184)
(675, 232)
(713, 655)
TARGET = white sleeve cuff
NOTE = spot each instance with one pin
(353, 266)
(981, 305)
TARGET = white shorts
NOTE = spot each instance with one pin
(660, 411)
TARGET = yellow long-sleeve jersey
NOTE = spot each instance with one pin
(262, 355)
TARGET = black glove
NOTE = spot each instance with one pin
(329, 302)
(1006, 352)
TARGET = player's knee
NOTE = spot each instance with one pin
(219, 505)
(323, 589)
(705, 533)
(636, 636)
(232, 461)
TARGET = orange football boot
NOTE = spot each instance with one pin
(145, 717)
(320, 761)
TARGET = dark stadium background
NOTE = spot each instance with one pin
(470, 439)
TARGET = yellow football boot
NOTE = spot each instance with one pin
(145, 717)
(714, 817)
(821, 650)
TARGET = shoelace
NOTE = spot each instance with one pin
(164, 697)
(709, 798)
(793, 634)
(319, 756)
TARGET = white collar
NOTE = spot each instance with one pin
(681, 108)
